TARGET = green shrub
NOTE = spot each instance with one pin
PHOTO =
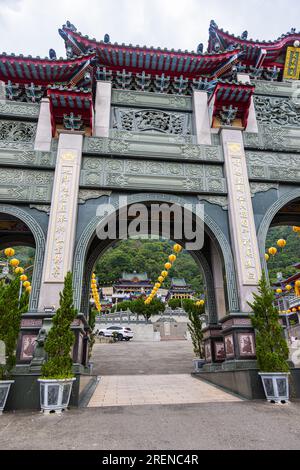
(60, 338)
(174, 303)
(271, 347)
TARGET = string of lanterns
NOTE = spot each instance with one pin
(164, 274)
(15, 264)
(95, 292)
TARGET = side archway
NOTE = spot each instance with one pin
(269, 217)
(40, 241)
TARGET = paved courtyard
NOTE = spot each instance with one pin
(137, 373)
(199, 417)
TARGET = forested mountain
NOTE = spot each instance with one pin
(147, 256)
(150, 256)
(285, 258)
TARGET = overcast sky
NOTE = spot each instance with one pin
(30, 26)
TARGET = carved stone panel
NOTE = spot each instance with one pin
(155, 149)
(17, 131)
(17, 109)
(151, 120)
(25, 185)
(269, 166)
(153, 100)
(278, 111)
(27, 158)
(147, 174)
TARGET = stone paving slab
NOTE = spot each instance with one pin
(155, 390)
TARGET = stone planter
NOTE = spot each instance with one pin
(276, 386)
(198, 364)
(4, 391)
(55, 395)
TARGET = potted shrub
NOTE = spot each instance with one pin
(11, 310)
(271, 347)
(57, 379)
(194, 312)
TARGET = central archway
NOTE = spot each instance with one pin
(86, 258)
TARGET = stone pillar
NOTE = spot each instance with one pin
(201, 118)
(217, 270)
(44, 129)
(102, 109)
(241, 217)
(63, 218)
(252, 125)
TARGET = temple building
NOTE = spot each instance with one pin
(132, 285)
(180, 290)
(288, 300)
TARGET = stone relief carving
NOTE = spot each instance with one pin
(27, 157)
(279, 111)
(262, 187)
(134, 173)
(87, 194)
(40, 208)
(217, 200)
(25, 185)
(269, 137)
(97, 145)
(263, 165)
(14, 131)
(142, 99)
(19, 109)
(151, 120)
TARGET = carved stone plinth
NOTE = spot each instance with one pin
(239, 342)
(214, 345)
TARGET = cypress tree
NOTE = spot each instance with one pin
(60, 338)
(271, 347)
(10, 320)
(195, 326)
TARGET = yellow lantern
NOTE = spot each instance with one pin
(164, 274)
(296, 229)
(23, 278)
(94, 276)
(26, 284)
(158, 285)
(288, 287)
(161, 279)
(168, 266)
(289, 311)
(297, 288)
(19, 271)
(273, 251)
(279, 291)
(294, 310)
(299, 309)
(9, 252)
(14, 263)
(202, 302)
(267, 257)
(177, 248)
(281, 243)
(172, 258)
(28, 289)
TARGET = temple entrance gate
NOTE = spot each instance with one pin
(161, 128)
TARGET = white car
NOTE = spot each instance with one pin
(122, 332)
